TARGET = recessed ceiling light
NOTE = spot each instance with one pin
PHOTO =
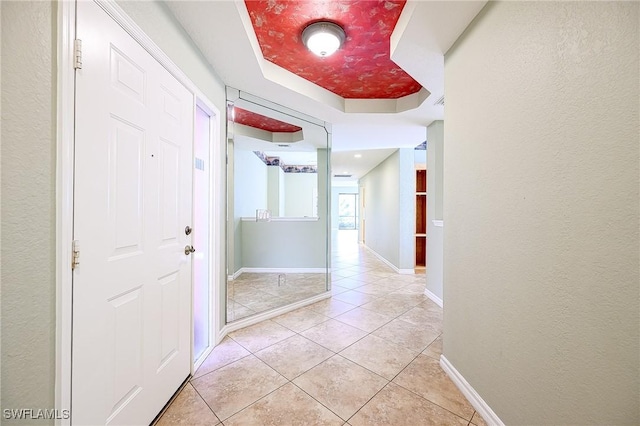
(323, 38)
(358, 155)
(345, 173)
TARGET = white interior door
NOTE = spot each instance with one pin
(133, 199)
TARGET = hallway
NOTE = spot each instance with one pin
(369, 355)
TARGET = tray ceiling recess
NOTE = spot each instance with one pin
(360, 73)
(265, 128)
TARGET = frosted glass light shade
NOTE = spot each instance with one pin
(323, 38)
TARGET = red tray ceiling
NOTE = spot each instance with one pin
(361, 69)
(259, 121)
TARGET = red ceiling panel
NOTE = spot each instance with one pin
(259, 121)
(361, 69)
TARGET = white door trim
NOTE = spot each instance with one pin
(214, 227)
(64, 204)
(64, 181)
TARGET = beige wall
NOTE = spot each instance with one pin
(28, 204)
(541, 211)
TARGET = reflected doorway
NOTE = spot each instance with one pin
(347, 211)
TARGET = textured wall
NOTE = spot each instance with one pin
(435, 158)
(541, 211)
(28, 204)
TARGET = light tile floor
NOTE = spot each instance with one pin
(367, 356)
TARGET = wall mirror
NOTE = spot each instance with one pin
(278, 189)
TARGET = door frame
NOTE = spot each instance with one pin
(65, 142)
(214, 227)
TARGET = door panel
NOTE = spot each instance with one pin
(133, 186)
(126, 347)
(125, 204)
(169, 333)
(169, 197)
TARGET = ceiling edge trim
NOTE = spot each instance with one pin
(265, 135)
(402, 104)
(401, 25)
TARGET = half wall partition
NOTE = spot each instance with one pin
(278, 201)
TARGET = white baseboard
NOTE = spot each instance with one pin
(470, 393)
(438, 301)
(236, 275)
(285, 270)
(254, 319)
(276, 271)
(389, 264)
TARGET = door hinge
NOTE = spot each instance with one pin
(75, 254)
(77, 54)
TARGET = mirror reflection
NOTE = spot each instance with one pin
(278, 180)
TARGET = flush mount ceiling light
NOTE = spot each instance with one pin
(323, 38)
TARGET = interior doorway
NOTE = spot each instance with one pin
(348, 211)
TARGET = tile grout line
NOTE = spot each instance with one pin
(432, 402)
(291, 381)
(205, 401)
(222, 366)
(312, 397)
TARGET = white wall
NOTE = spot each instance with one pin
(275, 190)
(435, 249)
(407, 210)
(250, 193)
(390, 209)
(420, 158)
(250, 183)
(300, 193)
(541, 209)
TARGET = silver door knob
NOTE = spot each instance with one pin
(187, 230)
(188, 250)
